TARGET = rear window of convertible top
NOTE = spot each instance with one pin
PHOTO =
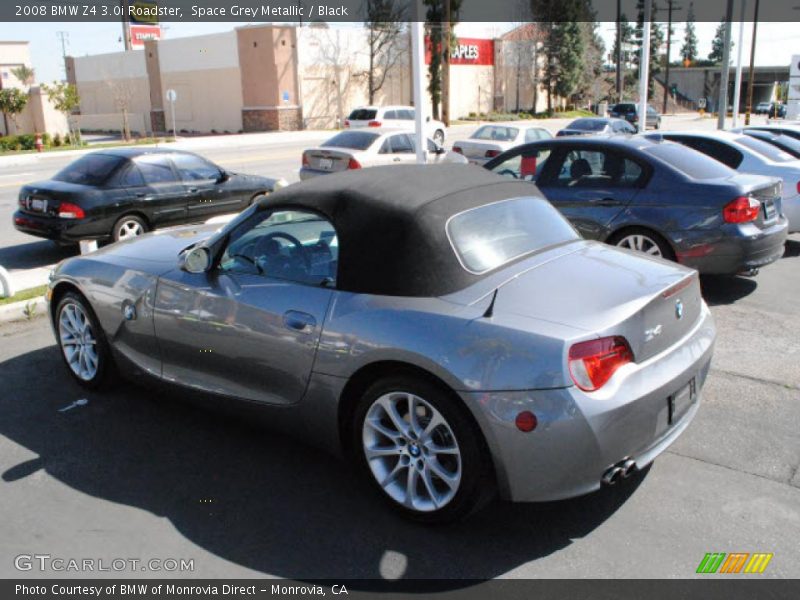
(489, 236)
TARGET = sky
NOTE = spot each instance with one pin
(776, 44)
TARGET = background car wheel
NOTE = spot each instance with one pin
(438, 137)
(419, 448)
(128, 227)
(643, 240)
(83, 346)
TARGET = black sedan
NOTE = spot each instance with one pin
(657, 197)
(121, 193)
(595, 125)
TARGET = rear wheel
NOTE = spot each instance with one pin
(129, 226)
(83, 346)
(438, 137)
(644, 241)
(421, 451)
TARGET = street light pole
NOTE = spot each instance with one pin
(737, 86)
(669, 46)
(619, 50)
(722, 103)
(751, 76)
(417, 66)
(644, 65)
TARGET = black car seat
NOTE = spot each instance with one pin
(579, 169)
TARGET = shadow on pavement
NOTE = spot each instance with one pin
(259, 499)
(35, 254)
(792, 249)
(720, 289)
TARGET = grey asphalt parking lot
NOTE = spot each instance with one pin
(135, 473)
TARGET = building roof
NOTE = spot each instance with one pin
(390, 223)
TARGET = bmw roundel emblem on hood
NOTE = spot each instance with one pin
(678, 309)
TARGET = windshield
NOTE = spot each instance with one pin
(690, 162)
(771, 152)
(92, 169)
(625, 108)
(588, 125)
(496, 133)
(492, 235)
(355, 140)
(363, 114)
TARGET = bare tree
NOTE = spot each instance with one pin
(122, 91)
(385, 40)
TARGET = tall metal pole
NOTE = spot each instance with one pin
(619, 50)
(418, 77)
(126, 25)
(737, 86)
(722, 103)
(644, 65)
(751, 76)
(669, 47)
(446, 65)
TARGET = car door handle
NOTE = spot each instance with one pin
(143, 196)
(193, 190)
(299, 321)
(606, 202)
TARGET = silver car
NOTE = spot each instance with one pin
(361, 148)
(492, 140)
(445, 329)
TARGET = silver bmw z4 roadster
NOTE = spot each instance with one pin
(444, 328)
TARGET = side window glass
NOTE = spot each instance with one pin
(401, 144)
(407, 115)
(156, 169)
(194, 168)
(296, 246)
(597, 169)
(390, 115)
(131, 177)
(526, 166)
(386, 147)
(531, 135)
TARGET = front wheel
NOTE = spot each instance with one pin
(419, 448)
(83, 345)
(438, 137)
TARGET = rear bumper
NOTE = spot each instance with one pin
(309, 173)
(579, 436)
(61, 230)
(733, 249)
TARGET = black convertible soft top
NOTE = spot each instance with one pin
(390, 222)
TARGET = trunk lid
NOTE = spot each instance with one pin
(328, 159)
(477, 150)
(44, 197)
(768, 191)
(608, 291)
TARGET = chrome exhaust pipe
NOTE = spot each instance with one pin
(628, 468)
(612, 475)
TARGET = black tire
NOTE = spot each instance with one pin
(477, 483)
(105, 364)
(654, 237)
(125, 223)
(438, 137)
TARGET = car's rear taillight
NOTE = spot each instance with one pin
(492, 153)
(306, 162)
(798, 187)
(741, 210)
(374, 124)
(592, 363)
(347, 123)
(458, 149)
(67, 210)
(353, 164)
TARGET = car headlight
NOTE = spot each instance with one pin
(281, 183)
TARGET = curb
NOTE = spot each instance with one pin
(16, 310)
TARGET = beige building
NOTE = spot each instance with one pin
(39, 116)
(279, 77)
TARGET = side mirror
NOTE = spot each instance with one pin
(223, 177)
(428, 119)
(196, 260)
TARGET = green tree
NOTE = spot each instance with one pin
(435, 36)
(24, 74)
(591, 80)
(718, 45)
(12, 102)
(65, 99)
(689, 48)
(627, 32)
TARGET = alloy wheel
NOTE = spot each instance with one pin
(412, 451)
(130, 229)
(78, 342)
(640, 243)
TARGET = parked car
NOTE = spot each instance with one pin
(630, 112)
(658, 198)
(357, 149)
(121, 193)
(790, 129)
(749, 155)
(786, 143)
(445, 329)
(596, 125)
(394, 117)
(489, 141)
(762, 108)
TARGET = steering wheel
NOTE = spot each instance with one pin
(292, 240)
(508, 172)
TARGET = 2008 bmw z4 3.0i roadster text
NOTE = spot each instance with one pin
(445, 328)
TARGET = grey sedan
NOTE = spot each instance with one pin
(442, 327)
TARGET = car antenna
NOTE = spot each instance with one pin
(490, 309)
